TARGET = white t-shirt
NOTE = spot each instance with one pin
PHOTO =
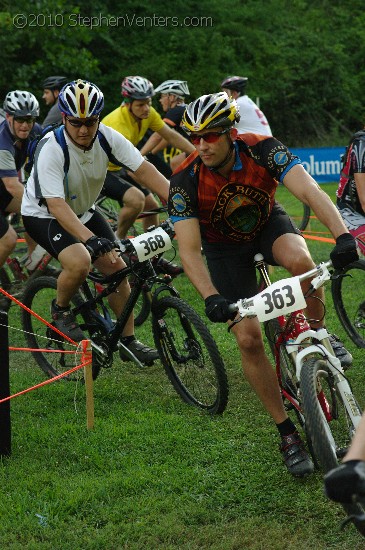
(252, 119)
(85, 176)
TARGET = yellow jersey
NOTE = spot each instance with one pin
(134, 130)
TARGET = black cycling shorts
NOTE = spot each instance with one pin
(54, 238)
(231, 265)
(5, 199)
(117, 183)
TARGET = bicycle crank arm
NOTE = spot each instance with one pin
(129, 355)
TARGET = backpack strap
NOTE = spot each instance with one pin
(60, 138)
(105, 145)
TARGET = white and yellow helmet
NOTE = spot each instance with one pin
(211, 111)
(81, 99)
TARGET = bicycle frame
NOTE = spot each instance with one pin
(297, 337)
(144, 271)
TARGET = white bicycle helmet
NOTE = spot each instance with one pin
(81, 99)
(211, 111)
(136, 87)
(21, 103)
(175, 87)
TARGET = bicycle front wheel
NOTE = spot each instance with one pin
(349, 300)
(328, 422)
(189, 355)
(38, 296)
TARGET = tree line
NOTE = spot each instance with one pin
(303, 59)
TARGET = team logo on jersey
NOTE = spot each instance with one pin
(240, 211)
(179, 202)
(280, 158)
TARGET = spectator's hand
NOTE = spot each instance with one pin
(97, 246)
(345, 252)
(216, 309)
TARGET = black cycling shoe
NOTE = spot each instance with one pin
(295, 457)
(346, 482)
(143, 353)
(165, 267)
(65, 321)
(340, 352)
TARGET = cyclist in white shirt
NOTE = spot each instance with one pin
(58, 208)
(252, 119)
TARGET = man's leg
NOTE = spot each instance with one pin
(133, 204)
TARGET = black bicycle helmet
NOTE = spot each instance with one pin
(236, 83)
(54, 82)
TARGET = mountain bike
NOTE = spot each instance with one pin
(110, 208)
(349, 300)
(186, 348)
(311, 379)
(14, 273)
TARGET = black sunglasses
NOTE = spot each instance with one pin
(77, 123)
(28, 119)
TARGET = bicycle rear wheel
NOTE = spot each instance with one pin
(189, 355)
(297, 210)
(349, 300)
(288, 377)
(38, 296)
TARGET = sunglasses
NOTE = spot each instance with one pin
(21, 119)
(210, 137)
(78, 123)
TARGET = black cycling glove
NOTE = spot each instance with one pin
(97, 246)
(216, 309)
(345, 252)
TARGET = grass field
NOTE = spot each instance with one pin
(155, 473)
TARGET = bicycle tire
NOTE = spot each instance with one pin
(297, 210)
(5, 281)
(189, 355)
(346, 285)
(109, 209)
(38, 296)
(329, 439)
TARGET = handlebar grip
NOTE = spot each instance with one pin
(232, 308)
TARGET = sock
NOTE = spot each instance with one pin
(127, 340)
(286, 428)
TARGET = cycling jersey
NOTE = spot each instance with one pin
(354, 164)
(122, 120)
(85, 177)
(233, 210)
(252, 119)
(173, 118)
(12, 158)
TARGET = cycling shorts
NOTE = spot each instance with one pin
(117, 183)
(54, 238)
(231, 265)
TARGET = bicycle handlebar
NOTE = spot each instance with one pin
(283, 296)
(155, 241)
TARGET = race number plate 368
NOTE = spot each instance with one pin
(151, 243)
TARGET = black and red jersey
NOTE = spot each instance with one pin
(233, 209)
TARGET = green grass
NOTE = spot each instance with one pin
(155, 473)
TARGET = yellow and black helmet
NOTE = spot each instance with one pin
(211, 111)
